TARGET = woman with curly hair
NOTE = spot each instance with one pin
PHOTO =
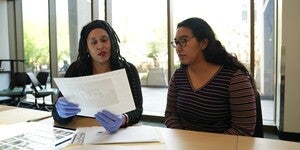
(98, 53)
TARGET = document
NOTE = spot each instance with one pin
(33, 135)
(132, 134)
(109, 91)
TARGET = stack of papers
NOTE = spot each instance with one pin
(33, 135)
(132, 134)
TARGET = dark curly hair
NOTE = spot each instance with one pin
(215, 52)
(116, 60)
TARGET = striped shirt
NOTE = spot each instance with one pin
(226, 104)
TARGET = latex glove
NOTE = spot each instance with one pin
(109, 121)
(66, 109)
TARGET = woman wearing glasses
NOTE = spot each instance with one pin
(211, 91)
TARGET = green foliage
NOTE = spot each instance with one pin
(154, 49)
(157, 47)
(35, 56)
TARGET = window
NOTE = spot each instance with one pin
(228, 19)
(63, 36)
(101, 10)
(265, 56)
(142, 30)
(36, 37)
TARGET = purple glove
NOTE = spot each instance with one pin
(109, 121)
(66, 109)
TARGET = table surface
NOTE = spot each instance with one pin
(11, 114)
(173, 139)
(250, 143)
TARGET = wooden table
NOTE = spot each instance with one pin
(250, 143)
(75, 123)
(173, 139)
(191, 140)
(11, 114)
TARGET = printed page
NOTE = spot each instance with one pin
(109, 91)
(132, 134)
(33, 135)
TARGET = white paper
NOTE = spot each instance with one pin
(109, 91)
(135, 146)
(33, 135)
(132, 134)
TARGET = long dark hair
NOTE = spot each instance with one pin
(116, 60)
(215, 52)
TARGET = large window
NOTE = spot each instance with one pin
(36, 37)
(143, 36)
(265, 55)
(142, 27)
(229, 19)
(63, 36)
(71, 16)
(142, 30)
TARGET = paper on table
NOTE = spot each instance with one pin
(110, 91)
(132, 134)
(135, 146)
(33, 135)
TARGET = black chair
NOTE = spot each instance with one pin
(39, 91)
(258, 131)
(42, 76)
(17, 88)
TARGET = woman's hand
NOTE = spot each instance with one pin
(66, 109)
(110, 121)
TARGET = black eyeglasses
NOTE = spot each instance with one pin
(182, 41)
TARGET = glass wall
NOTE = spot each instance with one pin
(142, 28)
(265, 55)
(229, 19)
(144, 43)
(71, 16)
(100, 10)
(63, 36)
(143, 36)
(36, 35)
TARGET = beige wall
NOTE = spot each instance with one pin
(289, 41)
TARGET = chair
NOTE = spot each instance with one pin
(43, 77)
(17, 87)
(39, 91)
(258, 131)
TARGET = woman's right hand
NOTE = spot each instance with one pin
(66, 109)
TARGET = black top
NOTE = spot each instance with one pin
(75, 70)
